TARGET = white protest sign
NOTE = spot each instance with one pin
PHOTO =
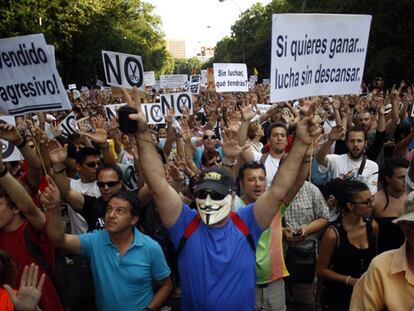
(99, 83)
(111, 111)
(149, 78)
(123, 70)
(204, 76)
(69, 125)
(177, 101)
(72, 87)
(266, 81)
(194, 87)
(317, 54)
(9, 151)
(195, 78)
(230, 78)
(153, 112)
(253, 78)
(263, 108)
(29, 80)
(172, 81)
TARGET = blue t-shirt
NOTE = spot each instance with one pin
(217, 265)
(123, 282)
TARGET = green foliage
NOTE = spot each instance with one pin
(390, 48)
(187, 66)
(81, 29)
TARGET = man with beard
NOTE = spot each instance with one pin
(217, 263)
(348, 165)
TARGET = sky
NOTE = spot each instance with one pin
(199, 22)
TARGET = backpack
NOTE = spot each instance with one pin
(71, 277)
(195, 222)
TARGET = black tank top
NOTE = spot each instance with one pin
(347, 260)
(390, 235)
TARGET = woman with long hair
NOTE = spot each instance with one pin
(389, 203)
(348, 245)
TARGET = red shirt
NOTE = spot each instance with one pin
(5, 302)
(14, 244)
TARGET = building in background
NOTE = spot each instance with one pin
(176, 48)
(206, 53)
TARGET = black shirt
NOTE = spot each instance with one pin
(93, 211)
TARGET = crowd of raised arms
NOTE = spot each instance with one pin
(300, 205)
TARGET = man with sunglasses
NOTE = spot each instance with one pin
(90, 206)
(217, 263)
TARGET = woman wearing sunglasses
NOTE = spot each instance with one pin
(348, 245)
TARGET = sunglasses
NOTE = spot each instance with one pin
(110, 184)
(93, 164)
(209, 137)
(367, 202)
(213, 195)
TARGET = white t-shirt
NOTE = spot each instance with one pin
(271, 166)
(78, 224)
(342, 165)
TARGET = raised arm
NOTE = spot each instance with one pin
(335, 134)
(269, 202)
(57, 156)
(247, 115)
(51, 201)
(34, 168)
(165, 197)
(21, 198)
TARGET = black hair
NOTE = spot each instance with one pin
(8, 269)
(349, 190)
(390, 165)
(85, 152)
(274, 125)
(113, 167)
(252, 165)
(357, 128)
(132, 199)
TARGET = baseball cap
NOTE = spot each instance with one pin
(408, 210)
(216, 179)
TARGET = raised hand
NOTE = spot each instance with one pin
(230, 146)
(10, 133)
(30, 289)
(100, 135)
(135, 103)
(50, 197)
(248, 113)
(308, 129)
(57, 153)
(336, 133)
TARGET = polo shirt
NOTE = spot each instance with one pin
(387, 284)
(217, 265)
(123, 282)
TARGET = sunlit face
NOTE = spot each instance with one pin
(278, 139)
(356, 144)
(108, 183)
(209, 139)
(89, 167)
(365, 120)
(162, 133)
(253, 183)
(118, 216)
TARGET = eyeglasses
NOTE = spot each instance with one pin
(213, 195)
(209, 137)
(110, 184)
(367, 202)
(93, 164)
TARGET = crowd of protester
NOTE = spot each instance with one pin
(306, 205)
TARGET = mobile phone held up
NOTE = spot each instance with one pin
(126, 125)
(297, 233)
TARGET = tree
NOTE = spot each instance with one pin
(187, 66)
(81, 29)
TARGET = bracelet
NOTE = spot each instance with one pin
(3, 172)
(58, 172)
(347, 280)
(23, 143)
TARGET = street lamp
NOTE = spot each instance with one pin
(242, 33)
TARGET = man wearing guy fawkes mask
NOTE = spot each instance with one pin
(214, 198)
